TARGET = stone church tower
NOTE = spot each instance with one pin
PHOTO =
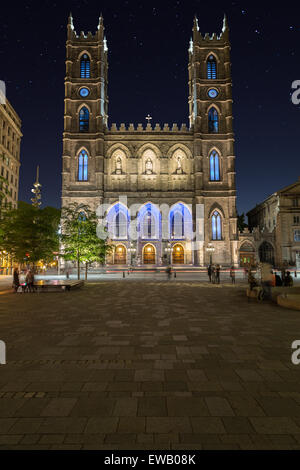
(181, 180)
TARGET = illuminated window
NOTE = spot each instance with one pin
(211, 68)
(297, 235)
(83, 166)
(85, 66)
(214, 166)
(216, 226)
(213, 121)
(84, 119)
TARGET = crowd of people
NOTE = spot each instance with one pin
(23, 285)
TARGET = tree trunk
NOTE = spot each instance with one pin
(78, 266)
(86, 271)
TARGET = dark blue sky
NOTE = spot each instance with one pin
(148, 43)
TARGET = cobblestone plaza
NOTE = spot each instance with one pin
(148, 365)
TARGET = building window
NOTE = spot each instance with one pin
(83, 166)
(213, 121)
(214, 166)
(296, 219)
(216, 226)
(297, 235)
(211, 68)
(85, 66)
(84, 119)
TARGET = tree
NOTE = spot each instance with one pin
(30, 234)
(241, 222)
(79, 238)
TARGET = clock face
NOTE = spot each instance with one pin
(84, 92)
(213, 93)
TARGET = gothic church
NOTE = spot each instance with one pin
(181, 167)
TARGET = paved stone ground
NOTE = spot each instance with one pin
(148, 365)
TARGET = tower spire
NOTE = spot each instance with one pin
(36, 199)
(195, 26)
(225, 23)
(70, 20)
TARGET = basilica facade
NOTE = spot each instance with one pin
(177, 183)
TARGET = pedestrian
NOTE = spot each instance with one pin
(29, 281)
(16, 280)
(288, 279)
(209, 272)
(218, 274)
(213, 274)
(283, 276)
(232, 275)
(169, 272)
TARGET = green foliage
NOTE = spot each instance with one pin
(28, 230)
(79, 235)
(241, 222)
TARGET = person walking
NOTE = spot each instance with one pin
(209, 272)
(16, 280)
(232, 275)
(213, 274)
(169, 272)
(218, 274)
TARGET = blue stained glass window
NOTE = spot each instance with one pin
(213, 121)
(84, 118)
(83, 166)
(85, 66)
(214, 163)
(213, 93)
(211, 68)
(84, 92)
(216, 226)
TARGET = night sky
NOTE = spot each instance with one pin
(148, 58)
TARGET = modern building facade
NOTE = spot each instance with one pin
(275, 224)
(190, 171)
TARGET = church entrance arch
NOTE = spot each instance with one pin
(120, 254)
(266, 253)
(178, 254)
(149, 254)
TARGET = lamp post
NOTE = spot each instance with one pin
(210, 249)
(131, 251)
(168, 250)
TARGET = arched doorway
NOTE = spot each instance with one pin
(120, 254)
(149, 254)
(247, 255)
(266, 253)
(178, 254)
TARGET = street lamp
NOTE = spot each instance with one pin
(168, 250)
(210, 249)
(132, 251)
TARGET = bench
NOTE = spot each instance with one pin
(275, 291)
(57, 285)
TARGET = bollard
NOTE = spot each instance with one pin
(175, 274)
(123, 274)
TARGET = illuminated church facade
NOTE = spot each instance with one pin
(190, 170)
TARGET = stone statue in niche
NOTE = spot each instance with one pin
(179, 170)
(149, 167)
(118, 166)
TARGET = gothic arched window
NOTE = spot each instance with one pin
(213, 121)
(85, 66)
(211, 68)
(216, 226)
(83, 166)
(214, 166)
(84, 120)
